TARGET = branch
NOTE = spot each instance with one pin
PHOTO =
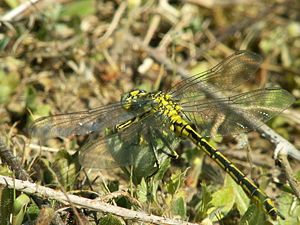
(26, 8)
(114, 23)
(41, 191)
(285, 165)
(12, 161)
(20, 11)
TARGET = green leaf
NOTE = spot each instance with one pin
(79, 8)
(33, 211)
(153, 191)
(110, 220)
(134, 3)
(162, 170)
(204, 204)
(179, 208)
(4, 42)
(6, 205)
(290, 208)
(223, 201)
(146, 191)
(41, 110)
(19, 203)
(45, 171)
(5, 171)
(19, 208)
(8, 83)
(297, 175)
(30, 96)
(142, 191)
(241, 199)
(12, 3)
(177, 181)
(253, 216)
(124, 202)
(294, 29)
(67, 168)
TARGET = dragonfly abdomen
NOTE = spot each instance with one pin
(184, 129)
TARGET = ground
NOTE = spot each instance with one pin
(66, 56)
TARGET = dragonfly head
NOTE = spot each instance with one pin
(131, 98)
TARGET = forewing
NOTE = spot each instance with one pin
(226, 116)
(83, 122)
(227, 75)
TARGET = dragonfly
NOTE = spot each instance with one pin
(157, 121)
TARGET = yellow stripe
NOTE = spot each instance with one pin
(256, 194)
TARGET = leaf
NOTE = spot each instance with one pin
(223, 201)
(241, 199)
(5, 171)
(19, 209)
(8, 83)
(19, 203)
(142, 191)
(79, 8)
(67, 168)
(153, 191)
(297, 175)
(6, 205)
(289, 208)
(179, 208)
(177, 181)
(4, 42)
(146, 191)
(33, 211)
(162, 170)
(204, 204)
(30, 96)
(110, 220)
(12, 3)
(253, 216)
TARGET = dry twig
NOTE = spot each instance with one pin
(12, 161)
(31, 188)
(285, 165)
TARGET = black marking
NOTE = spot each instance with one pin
(199, 139)
(183, 128)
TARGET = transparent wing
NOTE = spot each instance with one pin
(227, 75)
(214, 117)
(83, 122)
(136, 145)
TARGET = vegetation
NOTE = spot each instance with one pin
(65, 56)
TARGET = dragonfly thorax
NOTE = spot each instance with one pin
(141, 100)
(165, 104)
